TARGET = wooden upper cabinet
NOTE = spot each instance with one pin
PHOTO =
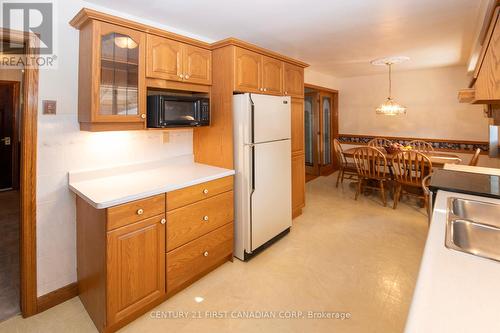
(487, 86)
(111, 91)
(175, 61)
(197, 65)
(163, 58)
(135, 266)
(272, 76)
(294, 81)
(247, 71)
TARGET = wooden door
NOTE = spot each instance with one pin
(164, 58)
(272, 76)
(197, 63)
(135, 267)
(9, 105)
(311, 133)
(120, 78)
(326, 130)
(298, 184)
(247, 71)
(294, 81)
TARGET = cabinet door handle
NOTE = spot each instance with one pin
(186, 76)
(205, 191)
(286, 92)
(143, 116)
(140, 211)
(205, 218)
(181, 76)
(205, 254)
(265, 89)
(163, 221)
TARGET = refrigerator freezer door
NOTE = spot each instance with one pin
(271, 211)
(271, 117)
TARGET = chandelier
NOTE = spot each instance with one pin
(390, 107)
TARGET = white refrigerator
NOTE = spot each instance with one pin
(262, 159)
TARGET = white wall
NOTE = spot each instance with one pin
(63, 147)
(430, 96)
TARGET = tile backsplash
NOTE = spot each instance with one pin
(62, 147)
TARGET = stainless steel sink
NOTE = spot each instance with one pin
(473, 227)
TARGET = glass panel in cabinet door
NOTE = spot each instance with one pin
(326, 124)
(309, 129)
(119, 75)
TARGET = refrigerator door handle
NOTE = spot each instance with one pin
(252, 190)
(252, 119)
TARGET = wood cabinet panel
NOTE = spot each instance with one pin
(197, 65)
(136, 267)
(272, 76)
(164, 58)
(189, 262)
(487, 86)
(293, 81)
(298, 184)
(135, 211)
(188, 195)
(247, 71)
(297, 125)
(192, 221)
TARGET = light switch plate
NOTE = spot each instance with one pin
(49, 107)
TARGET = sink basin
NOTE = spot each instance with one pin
(476, 211)
(473, 227)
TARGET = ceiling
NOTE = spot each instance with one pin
(336, 37)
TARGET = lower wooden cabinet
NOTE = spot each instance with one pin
(298, 183)
(127, 264)
(136, 267)
(190, 261)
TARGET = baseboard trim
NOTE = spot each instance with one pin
(57, 296)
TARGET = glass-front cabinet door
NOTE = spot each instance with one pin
(326, 151)
(120, 84)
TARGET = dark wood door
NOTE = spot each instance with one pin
(312, 133)
(8, 142)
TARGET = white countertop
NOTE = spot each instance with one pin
(472, 169)
(455, 292)
(108, 187)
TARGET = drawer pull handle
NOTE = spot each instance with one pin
(163, 221)
(140, 211)
(205, 218)
(205, 254)
(205, 191)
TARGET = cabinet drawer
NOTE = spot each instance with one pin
(121, 215)
(194, 220)
(185, 196)
(191, 261)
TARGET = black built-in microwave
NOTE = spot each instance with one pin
(177, 111)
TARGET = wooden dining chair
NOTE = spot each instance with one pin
(346, 168)
(475, 158)
(371, 165)
(410, 168)
(379, 143)
(421, 145)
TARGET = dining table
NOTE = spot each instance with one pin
(438, 159)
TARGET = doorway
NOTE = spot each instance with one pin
(321, 127)
(10, 212)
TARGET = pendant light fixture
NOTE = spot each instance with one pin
(390, 107)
